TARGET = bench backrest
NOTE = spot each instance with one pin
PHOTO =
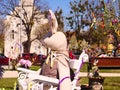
(77, 64)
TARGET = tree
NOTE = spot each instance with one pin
(58, 14)
(1, 35)
(74, 19)
(45, 27)
(93, 16)
(15, 9)
(42, 32)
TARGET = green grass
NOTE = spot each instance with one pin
(85, 69)
(35, 68)
(110, 83)
(110, 70)
(7, 83)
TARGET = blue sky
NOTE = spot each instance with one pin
(63, 4)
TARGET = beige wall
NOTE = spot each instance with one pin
(13, 23)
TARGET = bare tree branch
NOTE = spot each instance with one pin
(19, 10)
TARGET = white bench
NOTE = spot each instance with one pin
(38, 81)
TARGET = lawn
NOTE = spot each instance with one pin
(7, 83)
(110, 83)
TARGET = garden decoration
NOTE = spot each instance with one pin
(58, 60)
(110, 43)
(95, 80)
(31, 80)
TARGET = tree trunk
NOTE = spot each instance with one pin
(26, 46)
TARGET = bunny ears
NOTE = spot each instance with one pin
(52, 19)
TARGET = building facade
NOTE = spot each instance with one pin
(15, 34)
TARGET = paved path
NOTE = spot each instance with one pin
(10, 74)
(14, 74)
(84, 74)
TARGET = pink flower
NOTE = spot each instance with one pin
(22, 61)
(26, 63)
